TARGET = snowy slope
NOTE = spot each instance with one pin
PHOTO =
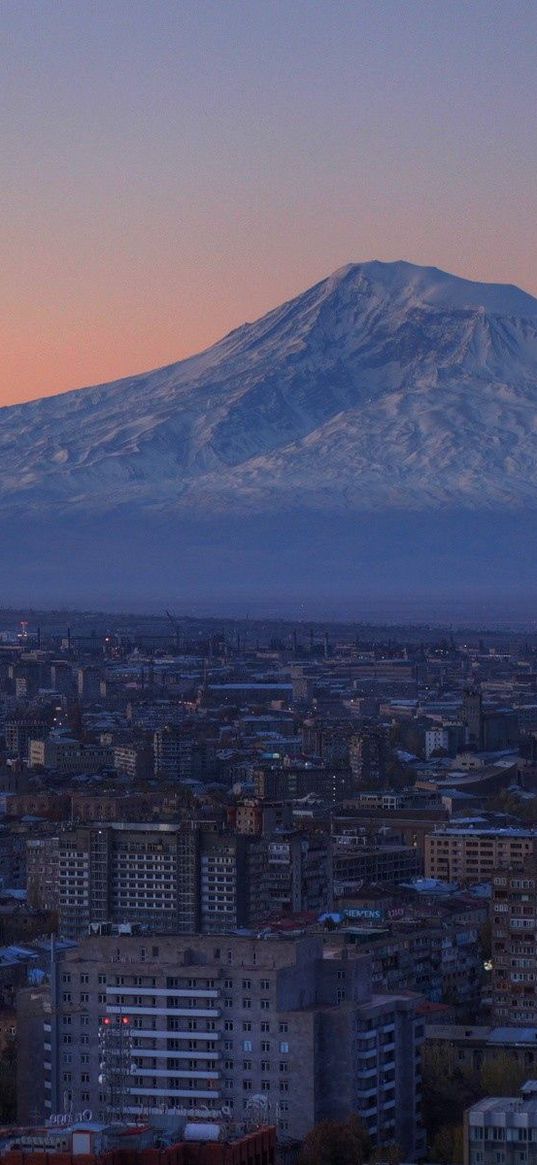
(385, 385)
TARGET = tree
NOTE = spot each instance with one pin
(502, 1076)
(386, 1155)
(447, 1147)
(344, 1142)
(8, 1074)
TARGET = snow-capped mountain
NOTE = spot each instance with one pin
(375, 435)
(385, 385)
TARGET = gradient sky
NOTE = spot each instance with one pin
(171, 168)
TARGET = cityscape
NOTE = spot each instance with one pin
(268, 582)
(267, 875)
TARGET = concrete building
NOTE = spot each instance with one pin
(42, 869)
(128, 873)
(514, 945)
(468, 854)
(133, 760)
(88, 682)
(176, 755)
(98, 1143)
(164, 1025)
(292, 781)
(66, 755)
(502, 1130)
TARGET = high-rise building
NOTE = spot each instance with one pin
(162, 1025)
(502, 1130)
(467, 854)
(472, 716)
(514, 945)
(128, 873)
(369, 753)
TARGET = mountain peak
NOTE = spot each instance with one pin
(401, 281)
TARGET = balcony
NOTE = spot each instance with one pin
(172, 1053)
(187, 1093)
(186, 1012)
(207, 1074)
(166, 992)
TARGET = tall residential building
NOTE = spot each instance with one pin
(42, 866)
(472, 716)
(176, 755)
(178, 878)
(464, 854)
(369, 753)
(177, 1025)
(134, 873)
(502, 1130)
(88, 682)
(231, 891)
(514, 945)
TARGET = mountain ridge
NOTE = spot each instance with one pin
(385, 384)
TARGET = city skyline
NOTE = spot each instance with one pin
(171, 174)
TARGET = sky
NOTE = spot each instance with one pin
(172, 168)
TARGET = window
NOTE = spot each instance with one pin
(247, 1085)
(247, 1065)
(265, 1046)
(265, 1025)
(265, 1065)
(265, 984)
(84, 979)
(247, 1045)
(228, 984)
(247, 1025)
(284, 1047)
(284, 1066)
(284, 1086)
(264, 1004)
(246, 984)
(67, 997)
(228, 1025)
(265, 1085)
(101, 979)
(247, 1003)
(284, 1027)
(84, 997)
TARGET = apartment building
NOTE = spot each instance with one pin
(177, 756)
(42, 864)
(466, 854)
(514, 945)
(502, 1130)
(128, 872)
(170, 877)
(140, 1026)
